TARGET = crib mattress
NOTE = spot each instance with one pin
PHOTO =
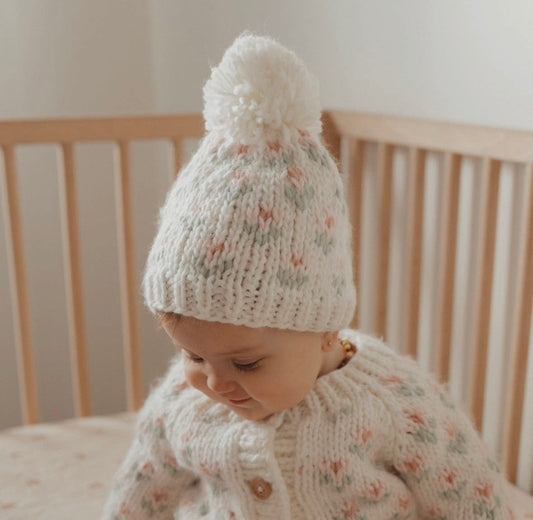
(63, 470)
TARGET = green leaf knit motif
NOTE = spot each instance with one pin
(321, 239)
(299, 198)
(291, 280)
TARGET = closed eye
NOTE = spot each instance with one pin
(249, 366)
(243, 368)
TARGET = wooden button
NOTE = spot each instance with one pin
(261, 488)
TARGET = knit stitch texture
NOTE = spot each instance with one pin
(378, 439)
(255, 229)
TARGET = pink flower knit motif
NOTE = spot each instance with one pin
(264, 222)
(348, 511)
(155, 502)
(375, 491)
(335, 473)
(361, 441)
(324, 239)
(297, 190)
(170, 464)
(310, 146)
(297, 176)
(179, 387)
(485, 501)
(449, 486)
(457, 439)
(212, 472)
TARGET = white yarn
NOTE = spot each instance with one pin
(256, 233)
(260, 91)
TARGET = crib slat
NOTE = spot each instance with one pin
(19, 289)
(415, 207)
(355, 191)
(127, 276)
(520, 331)
(385, 157)
(446, 268)
(490, 177)
(73, 280)
(177, 157)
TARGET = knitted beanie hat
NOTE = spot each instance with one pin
(255, 230)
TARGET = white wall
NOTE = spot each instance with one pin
(65, 58)
(456, 61)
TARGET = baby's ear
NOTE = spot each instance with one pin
(330, 337)
(334, 336)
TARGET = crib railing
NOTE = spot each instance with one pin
(348, 136)
(65, 133)
(455, 141)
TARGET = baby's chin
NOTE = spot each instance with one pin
(252, 414)
(259, 418)
(258, 413)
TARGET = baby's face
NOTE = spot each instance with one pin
(268, 369)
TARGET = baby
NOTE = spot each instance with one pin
(273, 408)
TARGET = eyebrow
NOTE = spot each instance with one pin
(241, 350)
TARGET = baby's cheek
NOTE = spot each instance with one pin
(195, 378)
(277, 390)
(297, 387)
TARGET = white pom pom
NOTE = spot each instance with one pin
(260, 92)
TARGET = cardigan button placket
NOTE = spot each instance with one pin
(261, 488)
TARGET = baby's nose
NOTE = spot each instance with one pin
(220, 383)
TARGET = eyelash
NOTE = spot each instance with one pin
(243, 368)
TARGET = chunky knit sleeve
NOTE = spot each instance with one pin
(149, 483)
(439, 454)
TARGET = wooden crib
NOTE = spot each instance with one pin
(68, 464)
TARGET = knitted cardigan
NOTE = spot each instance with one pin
(377, 439)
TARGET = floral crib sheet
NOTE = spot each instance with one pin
(61, 470)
